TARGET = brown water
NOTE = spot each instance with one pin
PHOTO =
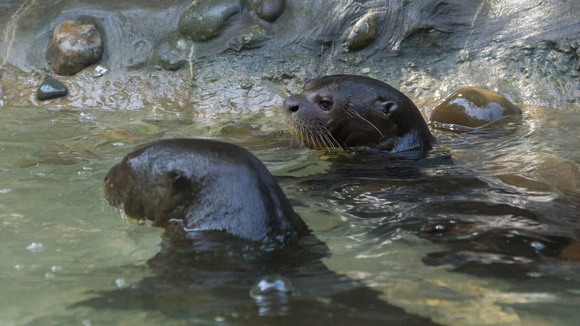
(514, 195)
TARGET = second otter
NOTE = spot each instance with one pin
(351, 111)
(202, 185)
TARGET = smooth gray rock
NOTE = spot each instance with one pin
(203, 20)
(51, 89)
(270, 10)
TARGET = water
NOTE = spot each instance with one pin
(484, 230)
(475, 239)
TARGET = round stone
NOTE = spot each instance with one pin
(73, 46)
(203, 20)
(270, 10)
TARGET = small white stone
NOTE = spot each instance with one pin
(100, 71)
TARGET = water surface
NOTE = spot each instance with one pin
(472, 234)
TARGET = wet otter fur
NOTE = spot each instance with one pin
(343, 111)
(203, 185)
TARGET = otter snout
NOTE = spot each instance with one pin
(292, 104)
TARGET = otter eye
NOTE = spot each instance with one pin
(325, 105)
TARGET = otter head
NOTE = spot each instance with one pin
(201, 185)
(142, 191)
(350, 111)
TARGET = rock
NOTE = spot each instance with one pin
(473, 107)
(270, 10)
(51, 89)
(363, 33)
(172, 54)
(203, 20)
(73, 46)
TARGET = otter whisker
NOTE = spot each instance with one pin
(324, 136)
(365, 120)
(317, 135)
(318, 140)
(292, 127)
(347, 112)
(301, 131)
(332, 137)
(299, 134)
(306, 137)
(310, 138)
(122, 213)
(321, 137)
(315, 140)
(327, 140)
(368, 91)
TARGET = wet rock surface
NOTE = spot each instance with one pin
(73, 46)
(529, 50)
(51, 89)
(474, 107)
(172, 54)
(270, 10)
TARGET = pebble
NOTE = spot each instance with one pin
(100, 71)
(51, 89)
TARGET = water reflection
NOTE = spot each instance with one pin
(272, 293)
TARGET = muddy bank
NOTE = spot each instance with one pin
(251, 54)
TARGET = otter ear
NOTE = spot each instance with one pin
(389, 107)
(178, 182)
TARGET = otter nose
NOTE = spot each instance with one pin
(291, 105)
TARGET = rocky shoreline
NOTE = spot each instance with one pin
(213, 56)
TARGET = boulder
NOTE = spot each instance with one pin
(73, 46)
(473, 107)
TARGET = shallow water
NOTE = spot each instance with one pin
(468, 240)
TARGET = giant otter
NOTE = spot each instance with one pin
(202, 185)
(212, 186)
(351, 111)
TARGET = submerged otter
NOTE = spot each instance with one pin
(351, 111)
(202, 185)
